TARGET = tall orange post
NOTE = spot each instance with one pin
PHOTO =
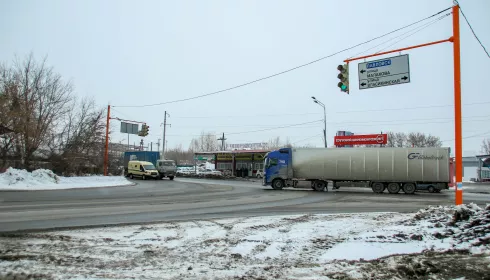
(457, 108)
(106, 152)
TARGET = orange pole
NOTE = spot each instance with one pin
(106, 152)
(402, 49)
(457, 108)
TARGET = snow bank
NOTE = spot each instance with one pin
(43, 179)
(340, 246)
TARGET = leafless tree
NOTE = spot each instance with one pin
(36, 99)
(398, 139)
(207, 142)
(80, 141)
(485, 147)
(413, 139)
(179, 155)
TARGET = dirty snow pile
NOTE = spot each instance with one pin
(435, 243)
(467, 226)
(43, 179)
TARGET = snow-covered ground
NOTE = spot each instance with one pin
(42, 179)
(434, 243)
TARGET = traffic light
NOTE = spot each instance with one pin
(144, 130)
(344, 77)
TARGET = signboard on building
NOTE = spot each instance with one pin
(368, 139)
(251, 146)
(203, 157)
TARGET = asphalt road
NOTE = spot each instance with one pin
(187, 199)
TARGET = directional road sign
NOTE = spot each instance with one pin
(384, 72)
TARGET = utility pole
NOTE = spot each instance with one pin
(158, 144)
(458, 135)
(222, 139)
(164, 130)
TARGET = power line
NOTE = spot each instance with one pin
(365, 124)
(267, 129)
(311, 137)
(339, 112)
(288, 70)
(415, 32)
(409, 31)
(472, 136)
(473, 31)
(343, 122)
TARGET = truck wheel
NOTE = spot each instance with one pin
(278, 184)
(378, 187)
(143, 177)
(131, 176)
(320, 185)
(171, 177)
(431, 189)
(393, 188)
(409, 188)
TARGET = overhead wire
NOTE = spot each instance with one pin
(365, 124)
(348, 122)
(288, 70)
(332, 113)
(311, 137)
(472, 136)
(473, 31)
(417, 30)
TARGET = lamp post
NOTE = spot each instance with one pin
(324, 119)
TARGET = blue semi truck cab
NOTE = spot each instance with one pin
(276, 169)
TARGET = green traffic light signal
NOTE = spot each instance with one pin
(344, 77)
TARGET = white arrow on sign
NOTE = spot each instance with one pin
(384, 72)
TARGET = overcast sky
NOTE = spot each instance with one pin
(144, 52)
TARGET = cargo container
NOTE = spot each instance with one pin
(393, 169)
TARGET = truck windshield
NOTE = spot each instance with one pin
(149, 167)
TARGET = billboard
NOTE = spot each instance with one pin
(131, 128)
(367, 139)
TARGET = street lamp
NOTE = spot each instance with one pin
(324, 119)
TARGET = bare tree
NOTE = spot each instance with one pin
(485, 147)
(179, 155)
(413, 139)
(36, 99)
(79, 143)
(207, 142)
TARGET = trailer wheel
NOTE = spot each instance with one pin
(320, 186)
(378, 187)
(278, 184)
(393, 188)
(431, 189)
(409, 188)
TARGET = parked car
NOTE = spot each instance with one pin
(260, 174)
(210, 172)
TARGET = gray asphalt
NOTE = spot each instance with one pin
(188, 199)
